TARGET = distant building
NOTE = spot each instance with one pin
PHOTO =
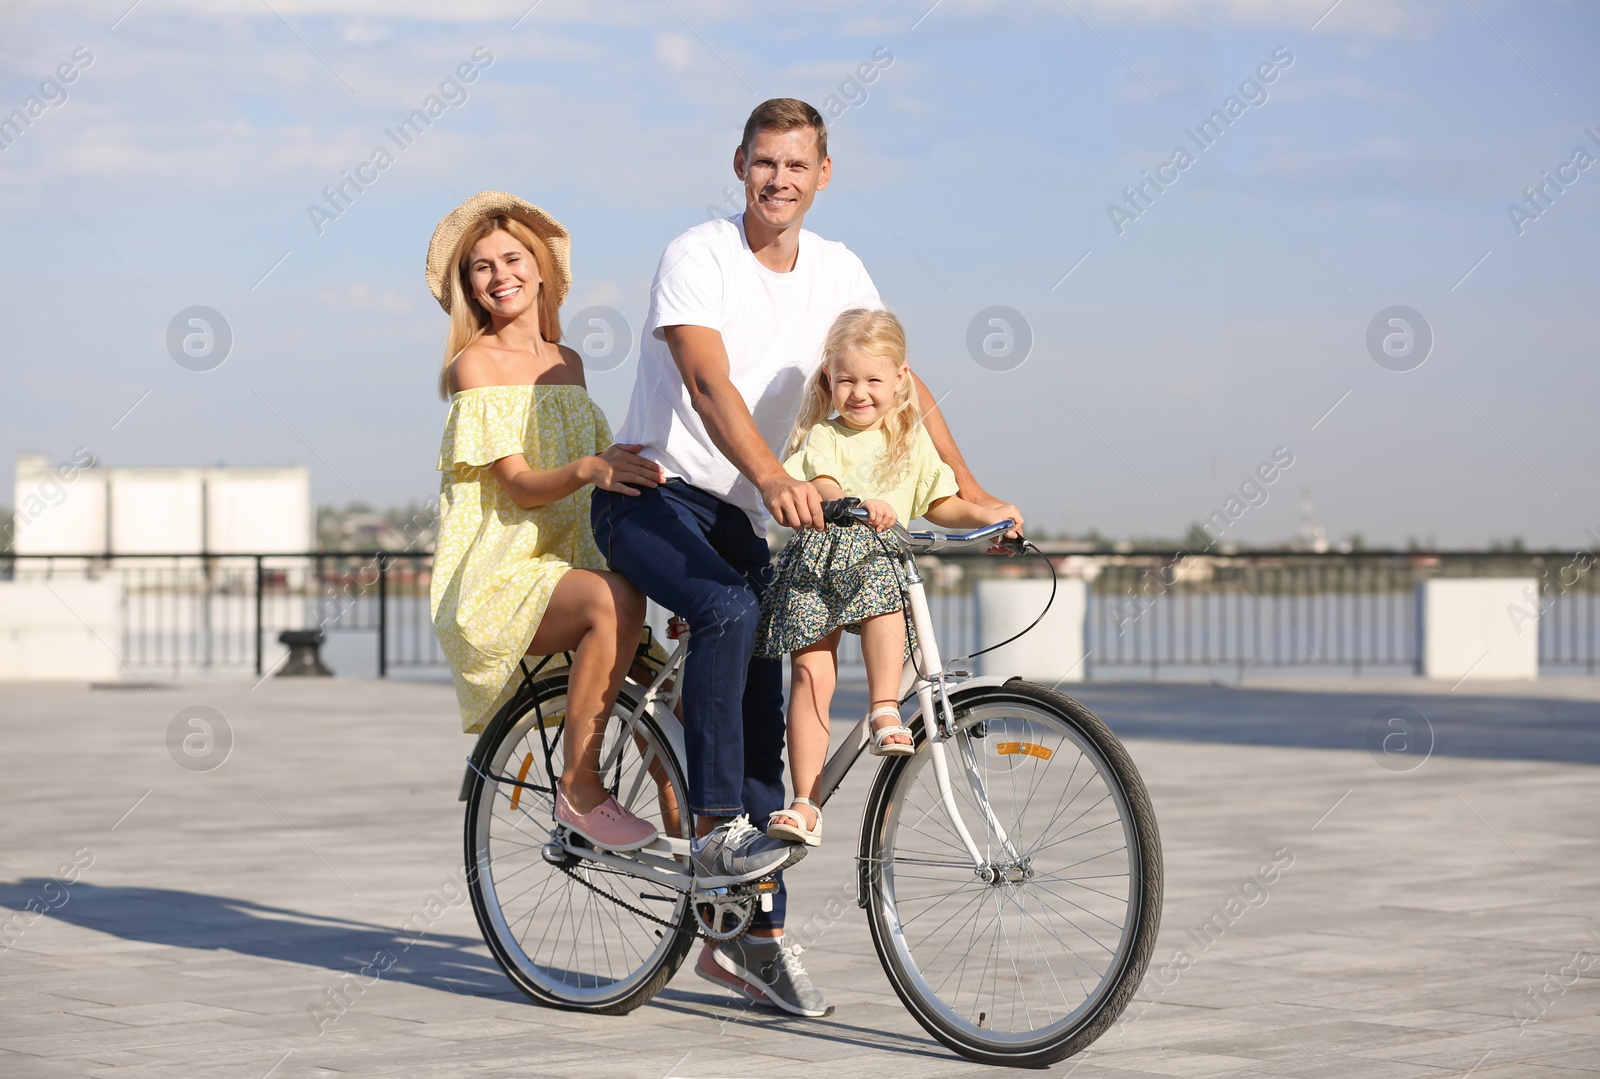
(79, 508)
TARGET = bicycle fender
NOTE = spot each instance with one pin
(672, 730)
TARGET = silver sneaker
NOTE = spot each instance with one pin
(774, 967)
(735, 852)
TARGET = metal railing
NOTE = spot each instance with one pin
(1356, 612)
(1148, 611)
(1155, 610)
(186, 612)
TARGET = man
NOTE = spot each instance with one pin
(738, 313)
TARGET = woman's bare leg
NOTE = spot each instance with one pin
(883, 642)
(598, 617)
(813, 673)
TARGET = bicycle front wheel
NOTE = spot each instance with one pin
(1028, 958)
(568, 932)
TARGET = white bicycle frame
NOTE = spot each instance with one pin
(926, 678)
(665, 860)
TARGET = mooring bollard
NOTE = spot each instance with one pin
(304, 658)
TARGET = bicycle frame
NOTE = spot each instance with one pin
(924, 677)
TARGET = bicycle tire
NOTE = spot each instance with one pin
(892, 911)
(597, 910)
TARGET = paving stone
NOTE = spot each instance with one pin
(219, 911)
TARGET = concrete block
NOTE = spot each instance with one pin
(62, 630)
(1053, 651)
(1473, 626)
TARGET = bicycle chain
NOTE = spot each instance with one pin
(627, 906)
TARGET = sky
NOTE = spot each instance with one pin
(1233, 315)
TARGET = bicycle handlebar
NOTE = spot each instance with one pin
(846, 511)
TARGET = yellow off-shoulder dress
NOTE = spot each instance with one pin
(496, 564)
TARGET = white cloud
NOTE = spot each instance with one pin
(365, 295)
(677, 51)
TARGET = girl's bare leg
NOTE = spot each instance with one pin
(598, 617)
(813, 673)
(883, 641)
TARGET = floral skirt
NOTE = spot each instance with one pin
(825, 580)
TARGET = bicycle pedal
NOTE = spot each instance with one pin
(763, 890)
(566, 837)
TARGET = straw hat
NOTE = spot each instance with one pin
(442, 248)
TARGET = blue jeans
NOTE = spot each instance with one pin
(698, 557)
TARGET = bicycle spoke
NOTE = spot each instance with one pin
(1000, 955)
(574, 931)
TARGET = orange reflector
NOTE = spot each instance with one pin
(767, 886)
(1031, 749)
(522, 775)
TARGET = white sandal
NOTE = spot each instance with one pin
(882, 748)
(797, 832)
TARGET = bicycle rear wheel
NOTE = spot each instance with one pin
(568, 932)
(1031, 959)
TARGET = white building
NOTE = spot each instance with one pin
(74, 616)
(77, 508)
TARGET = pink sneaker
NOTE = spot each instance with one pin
(712, 971)
(607, 825)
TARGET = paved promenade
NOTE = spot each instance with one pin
(1441, 916)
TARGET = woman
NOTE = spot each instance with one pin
(516, 570)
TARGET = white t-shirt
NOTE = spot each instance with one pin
(773, 326)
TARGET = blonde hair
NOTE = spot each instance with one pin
(879, 334)
(468, 320)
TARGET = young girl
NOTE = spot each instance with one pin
(877, 450)
(515, 568)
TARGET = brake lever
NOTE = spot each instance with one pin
(1010, 547)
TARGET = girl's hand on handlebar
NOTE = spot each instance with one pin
(621, 469)
(880, 515)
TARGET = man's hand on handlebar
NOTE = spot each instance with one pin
(793, 503)
(1000, 511)
(1012, 542)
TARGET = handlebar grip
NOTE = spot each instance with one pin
(841, 511)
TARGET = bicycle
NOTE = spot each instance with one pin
(1010, 868)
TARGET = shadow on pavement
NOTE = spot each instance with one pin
(1483, 728)
(192, 920)
(735, 1014)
